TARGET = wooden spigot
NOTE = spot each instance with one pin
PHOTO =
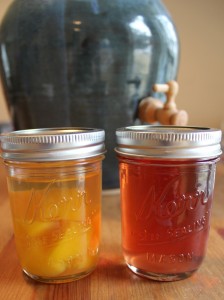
(152, 110)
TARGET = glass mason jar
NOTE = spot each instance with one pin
(85, 63)
(54, 184)
(166, 178)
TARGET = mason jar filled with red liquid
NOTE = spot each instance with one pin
(167, 178)
(54, 183)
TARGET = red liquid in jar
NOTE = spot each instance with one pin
(166, 208)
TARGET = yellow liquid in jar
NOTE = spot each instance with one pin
(57, 222)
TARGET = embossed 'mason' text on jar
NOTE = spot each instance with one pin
(167, 178)
(55, 182)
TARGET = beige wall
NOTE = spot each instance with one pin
(200, 25)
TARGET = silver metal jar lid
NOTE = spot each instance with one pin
(52, 144)
(169, 142)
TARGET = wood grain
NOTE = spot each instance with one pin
(112, 280)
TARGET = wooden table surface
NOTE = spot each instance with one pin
(112, 279)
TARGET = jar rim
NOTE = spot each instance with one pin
(52, 144)
(169, 141)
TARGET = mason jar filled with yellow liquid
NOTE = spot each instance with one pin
(54, 183)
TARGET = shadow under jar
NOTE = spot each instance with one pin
(54, 183)
(167, 178)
